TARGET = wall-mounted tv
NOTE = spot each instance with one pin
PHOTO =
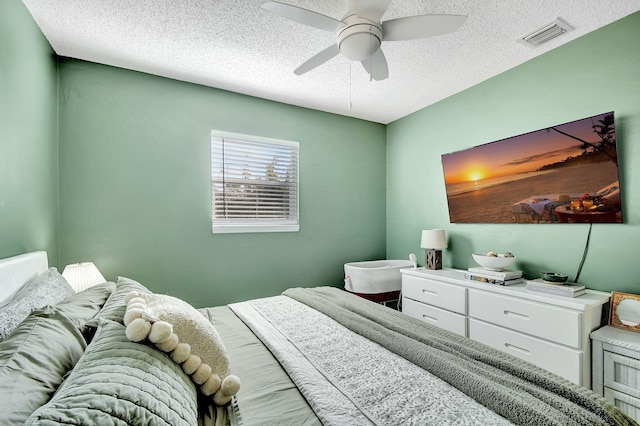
(561, 174)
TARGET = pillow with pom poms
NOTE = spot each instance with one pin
(177, 328)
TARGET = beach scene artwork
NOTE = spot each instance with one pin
(566, 173)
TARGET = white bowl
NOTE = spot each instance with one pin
(494, 263)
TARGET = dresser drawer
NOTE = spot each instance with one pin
(627, 404)
(446, 296)
(558, 359)
(559, 325)
(439, 317)
(622, 373)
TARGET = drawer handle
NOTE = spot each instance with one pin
(516, 314)
(517, 348)
(424, 290)
(427, 317)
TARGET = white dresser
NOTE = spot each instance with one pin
(616, 368)
(549, 331)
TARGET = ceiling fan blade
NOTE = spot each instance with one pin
(318, 59)
(370, 9)
(303, 16)
(377, 66)
(421, 26)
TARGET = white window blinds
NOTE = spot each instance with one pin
(254, 184)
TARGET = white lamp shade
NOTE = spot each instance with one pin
(433, 239)
(82, 275)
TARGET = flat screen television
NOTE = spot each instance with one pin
(561, 174)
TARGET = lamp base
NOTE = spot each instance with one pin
(433, 259)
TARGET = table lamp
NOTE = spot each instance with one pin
(82, 275)
(433, 240)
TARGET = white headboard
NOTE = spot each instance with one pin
(16, 270)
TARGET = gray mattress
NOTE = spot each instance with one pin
(267, 395)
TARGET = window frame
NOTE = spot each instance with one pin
(229, 225)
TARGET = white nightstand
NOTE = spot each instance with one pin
(616, 368)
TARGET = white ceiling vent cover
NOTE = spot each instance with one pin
(546, 33)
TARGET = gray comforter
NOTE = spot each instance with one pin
(512, 388)
(349, 380)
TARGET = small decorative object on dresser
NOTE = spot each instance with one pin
(625, 311)
(507, 275)
(492, 276)
(553, 277)
(616, 368)
(494, 261)
(559, 289)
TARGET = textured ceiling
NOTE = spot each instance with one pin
(238, 46)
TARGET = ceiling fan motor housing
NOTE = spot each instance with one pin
(359, 39)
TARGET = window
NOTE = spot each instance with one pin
(254, 184)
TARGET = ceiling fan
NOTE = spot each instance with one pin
(360, 33)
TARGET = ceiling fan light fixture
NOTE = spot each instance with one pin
(360, 33)
(359, 42)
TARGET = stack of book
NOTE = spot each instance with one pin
(494, 277)
(566, 290)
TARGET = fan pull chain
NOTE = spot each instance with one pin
(370, 59)
(350, 104)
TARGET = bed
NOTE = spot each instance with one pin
(310, 356)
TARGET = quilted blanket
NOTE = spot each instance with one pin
(511, 388)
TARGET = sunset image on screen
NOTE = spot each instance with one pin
(526, 178)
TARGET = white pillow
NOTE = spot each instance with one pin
(192, 341)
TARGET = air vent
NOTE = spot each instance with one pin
(546, 33)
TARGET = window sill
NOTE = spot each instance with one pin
(248, 229)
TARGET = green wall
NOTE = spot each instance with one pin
(135, 187)
(596, 73)
(28, 136)
(133, 166)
